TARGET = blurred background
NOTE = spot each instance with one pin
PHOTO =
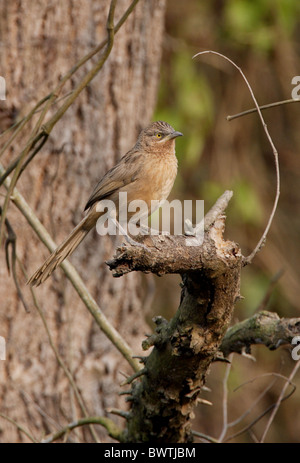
(196, 96)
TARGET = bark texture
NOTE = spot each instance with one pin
(40, 41)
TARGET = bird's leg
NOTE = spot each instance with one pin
(127, 237)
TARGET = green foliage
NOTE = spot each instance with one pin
(248, 22)
(259, 24)
(189, 107)
(247, 205)
(253, 288)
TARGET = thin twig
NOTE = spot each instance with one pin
(18, 426)
(14, 163)
(33, 112)
(248, 259)
(277, 375)
(205, 437)
(266, 106)
(27, 399)
(225, 400)
(136, 375)
(20, 125)
(279, 400)
(112, 429)
(251, 407)
(121, 413)
(10, 242)
(14, 181)
(258, 418)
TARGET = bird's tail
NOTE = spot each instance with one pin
(66, 248)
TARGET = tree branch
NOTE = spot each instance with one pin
(171, 254)
(263, 328)
(175, 370)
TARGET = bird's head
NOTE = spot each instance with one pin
(158, 136)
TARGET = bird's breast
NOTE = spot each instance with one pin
(159, 177)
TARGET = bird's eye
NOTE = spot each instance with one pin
(158, 135)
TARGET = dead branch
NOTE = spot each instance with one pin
(265, 328)
(162, 401)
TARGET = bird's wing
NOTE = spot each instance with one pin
(123, 173)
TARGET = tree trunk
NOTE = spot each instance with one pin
(40, 42)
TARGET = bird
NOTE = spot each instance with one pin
(146, 172)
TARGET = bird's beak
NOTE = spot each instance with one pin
(172, 135)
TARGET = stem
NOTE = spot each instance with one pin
(266, 106)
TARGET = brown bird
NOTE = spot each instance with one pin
(147, 172)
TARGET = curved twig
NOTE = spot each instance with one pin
(18, 426)
(248, 259)
(113, 430)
